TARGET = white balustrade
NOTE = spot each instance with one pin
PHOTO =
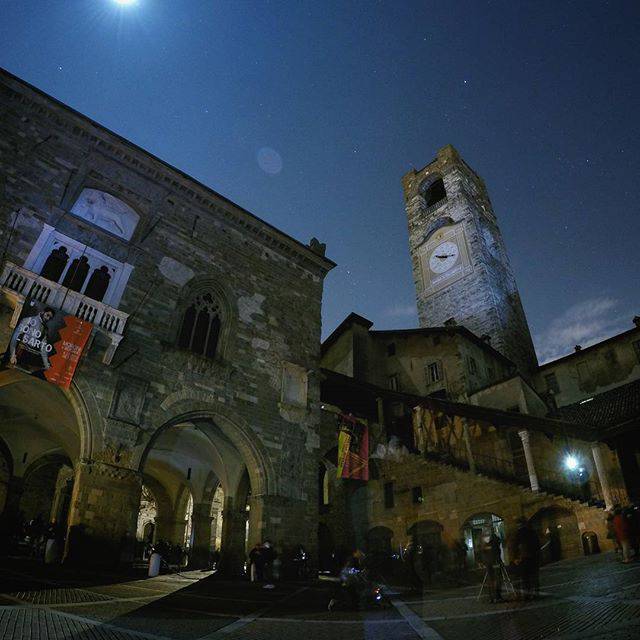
(22, 284)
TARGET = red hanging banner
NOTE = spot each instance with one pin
(353, 448)
(68, 349)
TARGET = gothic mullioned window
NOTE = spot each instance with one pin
(200, 327)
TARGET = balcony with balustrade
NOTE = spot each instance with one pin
(18, 284)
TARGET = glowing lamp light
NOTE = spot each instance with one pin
(124, 3)
(571, 462)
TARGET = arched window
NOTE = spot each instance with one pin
(77, 273)
(434, 192)
(55, 264)
(98, 283)
(200, 327)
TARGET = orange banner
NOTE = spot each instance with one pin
(68, 349)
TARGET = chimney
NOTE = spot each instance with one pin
(636, 321)
(578, 348)
(451, 322)
(485, 337)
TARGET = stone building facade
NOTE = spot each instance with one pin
(201, 367)
(468, 433)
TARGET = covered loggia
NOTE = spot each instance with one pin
(42, 440)
(199, 485)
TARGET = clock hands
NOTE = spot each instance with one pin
(450, 255)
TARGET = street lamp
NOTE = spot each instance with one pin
(571, 462)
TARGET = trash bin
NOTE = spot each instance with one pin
(154, 564)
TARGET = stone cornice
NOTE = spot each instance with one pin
(126, 152)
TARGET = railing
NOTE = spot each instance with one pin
(436, 205)
(25, 284)
(504, 469)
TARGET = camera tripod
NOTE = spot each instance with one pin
(506, 580)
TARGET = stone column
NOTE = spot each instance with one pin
(62, 497)
(467, 443)
(15, 487)
(233, 552)
(103, 514)
(380, 410)
(533, 478)
(201, 523)
(602, 475)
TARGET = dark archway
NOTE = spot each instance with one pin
(433, 191)
(429, 552)
(46, 496)
(558, 532)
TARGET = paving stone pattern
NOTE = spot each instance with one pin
(587, 598)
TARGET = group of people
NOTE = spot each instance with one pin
(34, 537)
(623, 528)
(261, 560)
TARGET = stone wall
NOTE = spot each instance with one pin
(594, 370)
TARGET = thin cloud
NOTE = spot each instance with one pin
(400, 311)
(584, 323)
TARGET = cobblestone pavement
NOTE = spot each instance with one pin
(587, 598)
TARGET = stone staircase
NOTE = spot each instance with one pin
(461, 466)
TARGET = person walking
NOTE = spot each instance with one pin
(269, 555)
(256, 563)
(526, 556)
(622, 527)
(491, 558)
(611, 532)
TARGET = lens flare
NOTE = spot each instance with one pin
(571, 462)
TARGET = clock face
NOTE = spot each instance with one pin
(443, 257)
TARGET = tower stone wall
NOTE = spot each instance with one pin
(479, 291)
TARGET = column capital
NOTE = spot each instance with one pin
(524, 435)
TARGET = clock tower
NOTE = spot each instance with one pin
(460, 265)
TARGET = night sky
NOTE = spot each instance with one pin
(309, 113)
